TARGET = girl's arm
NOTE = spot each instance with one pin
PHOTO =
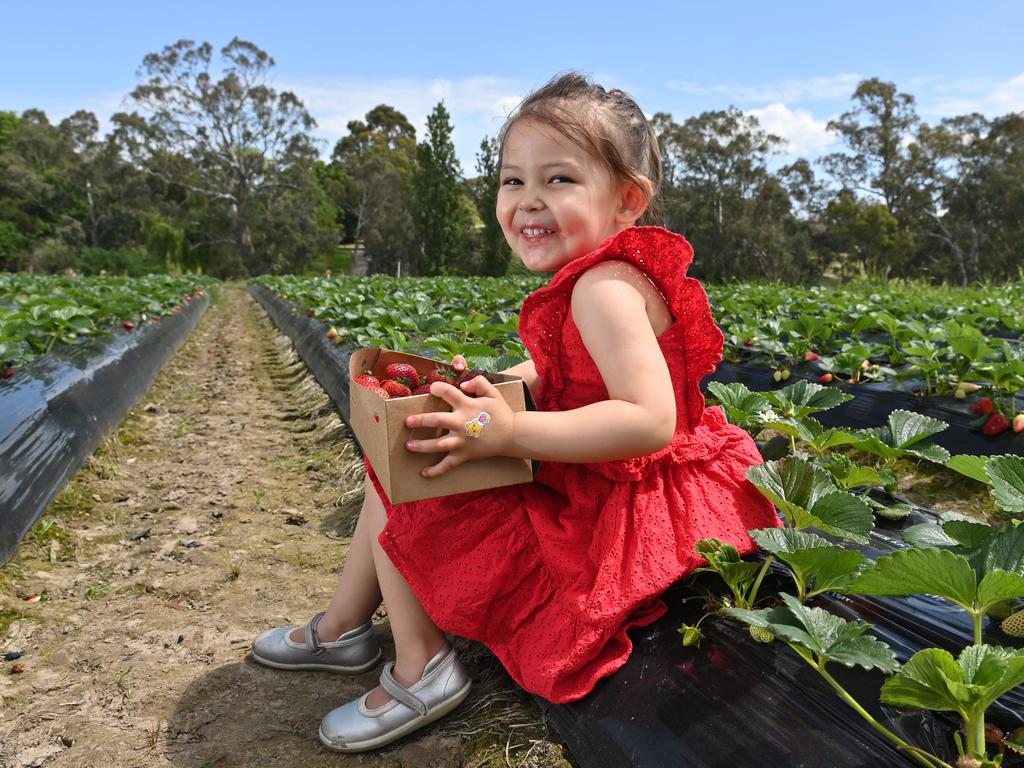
(609, 307)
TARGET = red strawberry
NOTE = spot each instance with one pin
(332, 332)
(177, 307)
(367, 380)
(748, 343)
(395, 388)
(825, 378)
(1018, 422)
(402, 372)
(422, 389)
(8, 372)
(996, 424)
(983, 406)
(128, 325)
(310, 313)
(380, 391)
(809, 356)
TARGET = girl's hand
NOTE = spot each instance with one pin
(459, 363)
(478, 427)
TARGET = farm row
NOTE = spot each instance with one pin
(39, 312)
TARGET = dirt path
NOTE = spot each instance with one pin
(221, 506)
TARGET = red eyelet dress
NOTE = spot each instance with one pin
(549, 575)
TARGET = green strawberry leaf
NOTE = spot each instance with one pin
(1007, 475)
(827, 636)
(999, 585)
(971, 466)
(824, 568)
(776, 540)
(807, 498)
(931, 679)
(929, 451)
(908, 428)
(928, 535)
(921, 571)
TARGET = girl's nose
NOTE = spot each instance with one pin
(530, 203)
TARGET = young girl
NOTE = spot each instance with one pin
(634, 471)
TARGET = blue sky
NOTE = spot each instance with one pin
(793, 64)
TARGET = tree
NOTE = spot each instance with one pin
(439, 198)
(877, 131)
(970, 192)
(484, 191)
(374, 165)
(716, 187)
(234, 142)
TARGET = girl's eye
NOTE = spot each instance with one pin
(561, 180)
(512, 181)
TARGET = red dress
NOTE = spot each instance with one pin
(549, 575)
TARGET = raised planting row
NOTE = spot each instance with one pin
(57, 408)
(932, 341)
(825, 500)
(438, 317)
(39, 312)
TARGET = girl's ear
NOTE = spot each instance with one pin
(633, 200)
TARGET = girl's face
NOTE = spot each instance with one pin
(555, 201)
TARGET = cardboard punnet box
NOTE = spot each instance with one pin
(379, 425)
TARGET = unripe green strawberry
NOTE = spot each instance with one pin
(761, 634)
(1013, 625)
(777, 376)
(691, 635)
(960, 394)
(785, 374)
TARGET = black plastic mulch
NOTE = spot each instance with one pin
(874, 401)
(733, 702)
(58, 408)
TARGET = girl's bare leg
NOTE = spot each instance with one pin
(358, 593)
(416, 637)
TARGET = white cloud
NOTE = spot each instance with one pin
(832, 87)
(478, 105)
(805, 136)
(992, 98)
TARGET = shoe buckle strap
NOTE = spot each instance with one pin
(404, 695)
(312, 641)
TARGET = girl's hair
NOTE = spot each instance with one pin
(607, 124)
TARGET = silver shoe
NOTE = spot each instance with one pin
(354, 728)
(355, 651)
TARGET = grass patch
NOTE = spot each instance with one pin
(7, 618)
(73, 502)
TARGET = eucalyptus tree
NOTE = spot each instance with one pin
(226, 138)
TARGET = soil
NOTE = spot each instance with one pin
(223, 505)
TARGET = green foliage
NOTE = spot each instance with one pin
(438, 197)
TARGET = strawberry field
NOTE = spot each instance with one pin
(890, 601)
(848, 534)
